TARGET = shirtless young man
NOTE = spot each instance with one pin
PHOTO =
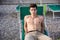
(34, 25)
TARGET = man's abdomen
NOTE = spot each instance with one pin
(33, 27)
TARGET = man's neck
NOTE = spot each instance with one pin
(33, 16)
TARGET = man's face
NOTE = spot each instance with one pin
(33, 10)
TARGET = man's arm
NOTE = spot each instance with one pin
(42, 25)
(25, 24)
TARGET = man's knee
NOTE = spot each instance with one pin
(47, 37)
(44, 37)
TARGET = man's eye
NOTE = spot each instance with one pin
(33, 9)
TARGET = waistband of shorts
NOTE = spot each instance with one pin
(34, 31)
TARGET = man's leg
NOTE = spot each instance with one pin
(29, 37)
(43, 37)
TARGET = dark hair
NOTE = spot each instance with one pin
(33, 5)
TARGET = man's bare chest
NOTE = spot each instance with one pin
(33, 21)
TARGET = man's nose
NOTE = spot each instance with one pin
(33, 10)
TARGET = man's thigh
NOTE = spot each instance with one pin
(43, 37)
(29, 37)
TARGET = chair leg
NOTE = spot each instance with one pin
(53, 15)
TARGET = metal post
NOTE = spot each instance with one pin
(53, 15)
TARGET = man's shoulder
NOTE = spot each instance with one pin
(41, 17)
(27, 16)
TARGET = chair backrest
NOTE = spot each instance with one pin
(41, 10)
